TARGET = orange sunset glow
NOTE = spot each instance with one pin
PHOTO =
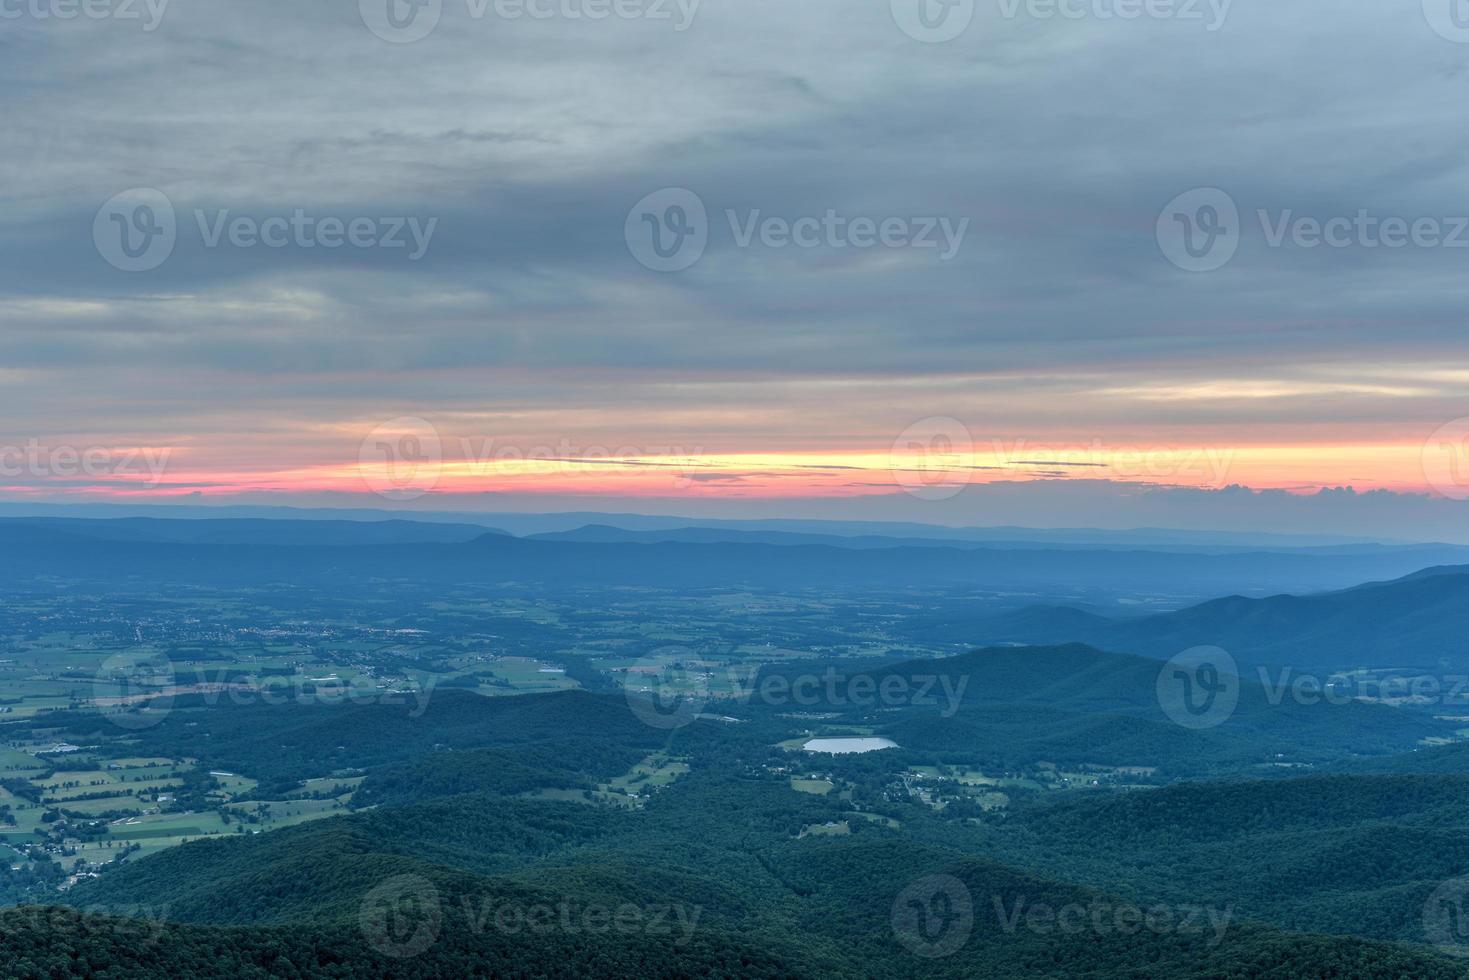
(452, 466)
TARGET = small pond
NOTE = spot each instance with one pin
(847, 746)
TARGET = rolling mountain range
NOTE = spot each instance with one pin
(1078, 705)
(722, 851)
(532, 523)
(141, 555)
(1418, 622)
(251, 531)
(1039, 773)
(1007, 539)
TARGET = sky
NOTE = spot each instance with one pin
(1056, 262)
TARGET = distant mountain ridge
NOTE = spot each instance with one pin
(531, 523)
(253, 531)
(998, 538)
(234, 554)
(1420, 621)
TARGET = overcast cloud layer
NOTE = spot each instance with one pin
(517, 146)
